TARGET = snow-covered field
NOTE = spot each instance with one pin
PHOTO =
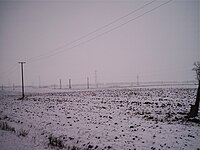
(119, 119)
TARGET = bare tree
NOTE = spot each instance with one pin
(194, 108)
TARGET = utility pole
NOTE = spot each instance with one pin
(138, 81)
(60, 84)
(70, 86)
(131, 83)
(22, 63)
(39, 82)
(88, 84)
(9, 84)
(95, 76)
(13, 87)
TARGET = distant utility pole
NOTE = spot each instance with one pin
(138, 83)
(70, 86)
(88, 84)
(131, 83)
(39, 82)
(9, 84)
(13, 87)
(22, 63)
(60, 84)
(95, 76)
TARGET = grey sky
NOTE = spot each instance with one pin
(160, 46)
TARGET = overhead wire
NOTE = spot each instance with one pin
(55, 51)
(106, 32)
(6, 74)
(90, 33)
(8, 70)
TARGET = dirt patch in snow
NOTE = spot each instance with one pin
(102, 119)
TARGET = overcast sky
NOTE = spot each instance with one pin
(161, 45)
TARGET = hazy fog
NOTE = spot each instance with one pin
(159, 46)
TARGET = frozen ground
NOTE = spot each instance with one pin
(119, 119)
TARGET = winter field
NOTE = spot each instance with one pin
(107, 118)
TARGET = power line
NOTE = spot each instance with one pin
(106, 32)
(7, 74)
(10, 69)
(99, 35)
(90, 33)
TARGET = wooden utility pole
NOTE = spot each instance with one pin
(70, 86)
(95, 76)
(88, 84)
(138, 83)
(13, 87)
(60, 84)
(39, 82)
(131, 83)
(22, 72)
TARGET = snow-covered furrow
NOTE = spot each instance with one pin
(104, 119)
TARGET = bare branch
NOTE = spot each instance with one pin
(197, 69)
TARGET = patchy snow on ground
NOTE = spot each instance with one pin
(117, 119)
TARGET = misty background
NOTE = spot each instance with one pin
(162, 45)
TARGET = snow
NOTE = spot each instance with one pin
(117, 118)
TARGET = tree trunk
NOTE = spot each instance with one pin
(195, 108)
